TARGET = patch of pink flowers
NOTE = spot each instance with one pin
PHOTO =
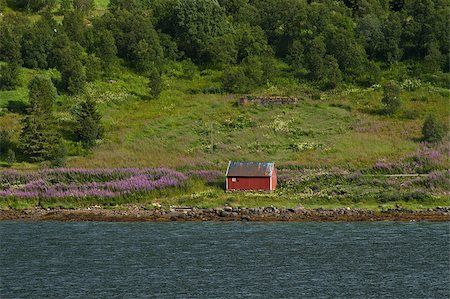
(79, 182)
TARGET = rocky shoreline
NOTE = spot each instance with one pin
(134, 214)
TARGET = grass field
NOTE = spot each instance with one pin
(187, 128)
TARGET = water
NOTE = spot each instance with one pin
(224, 260)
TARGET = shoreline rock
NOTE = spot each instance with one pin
(266, 214)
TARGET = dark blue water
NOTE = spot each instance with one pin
(224, 260)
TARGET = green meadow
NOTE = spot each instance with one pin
(189, 127)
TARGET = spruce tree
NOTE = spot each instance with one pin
(40, 139)
(9, 76)
(89, 127)
(73, 75)
(10, 52)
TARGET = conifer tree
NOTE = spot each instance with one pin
(39, 139)
(10, 52)
(89, 123)
(73, 74)
(9, 76)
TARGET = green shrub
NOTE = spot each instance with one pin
(5, 141)
(419, 196)
(433, 130)
(316, 96)
(10, 156)
(391, 97)
(411, 114)
(155, 83)
(19, 107)
(234, 80)
(189, 69)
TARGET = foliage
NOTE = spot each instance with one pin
(38, 43)
(93, 66)
(234, 80)
(135, 38)
(84, 6)
(433, 130)
(89, 127)
(73, 25)
(31, 5)
(10, 156)
(259, 47)
(73, 74)
(10, 40)
(9, 76)
(104, 46)
(39, 138)
(391, 97)
(5, 141)
(155, 83)
(197, 24)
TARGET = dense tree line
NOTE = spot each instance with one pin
(323, 42)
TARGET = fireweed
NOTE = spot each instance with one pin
(80, 182)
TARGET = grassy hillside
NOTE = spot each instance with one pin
(190, 128)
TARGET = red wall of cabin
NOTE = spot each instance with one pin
(249, 183)
(274, 179)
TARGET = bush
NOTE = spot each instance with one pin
(5, 141)
(18, 107)
(58, 155)
(391, 97)
(418, 196)
(316, 96)
(411, 114)
(433, 130)
(155, 83)
(10, 156)
(234, 80)
(189, 69)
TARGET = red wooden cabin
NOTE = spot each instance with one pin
(251, 176)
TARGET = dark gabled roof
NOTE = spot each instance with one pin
(250, 169)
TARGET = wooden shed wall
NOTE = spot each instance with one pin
(250, 183)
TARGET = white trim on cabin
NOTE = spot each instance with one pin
(270, 188)
(226, 175)
(228, 168)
